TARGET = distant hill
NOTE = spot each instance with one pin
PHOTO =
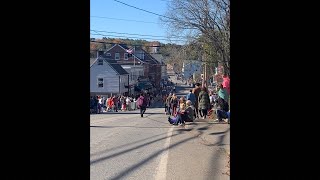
(108, 42)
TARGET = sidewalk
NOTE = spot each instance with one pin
(213, 134)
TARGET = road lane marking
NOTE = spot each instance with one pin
(162, 167)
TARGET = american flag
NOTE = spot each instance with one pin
(130, 51)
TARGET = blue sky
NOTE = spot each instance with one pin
(105, 15)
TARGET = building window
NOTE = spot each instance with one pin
(100, 61)
(125, 56)
(100, 82)
(108, 54)
(117, 56)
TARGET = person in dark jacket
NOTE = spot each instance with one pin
(91, 104)
(95, 104)
(223, 110)
(204, 102)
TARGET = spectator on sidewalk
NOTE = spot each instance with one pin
(213, 98)
(91, 105)
(174, 104)
(226, 83)
(190, 96)
(196, 92)
(128, 103)
(115, 103)
(222, 93)
(204, 102)
(223, 110)
(182, 103)
(184, 115)
(168, 102)
(95, 104)
(164, 98)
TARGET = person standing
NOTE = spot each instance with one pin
(196, 92)
(226, 83)
(91, 104)
(128, 102)
(204, 102)
(164, 98)
(168, 101)
(191, 97)
(174, 104)
(115, 103)
(95, 104)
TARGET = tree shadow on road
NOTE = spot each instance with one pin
(127, 144)
(149, 158)
(219, 154)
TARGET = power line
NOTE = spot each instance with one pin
(143, 9)
(129, 33)
(130, 20)
(136, 37)
(94, 41)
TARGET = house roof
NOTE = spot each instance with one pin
(158, 57)
(113, 64)
(117, 67)
(92, 60)
(147, 57)
(124, 47)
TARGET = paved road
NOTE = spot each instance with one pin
(125, 146)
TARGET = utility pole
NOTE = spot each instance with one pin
(204, 80)
(204, 52)
(205, 75)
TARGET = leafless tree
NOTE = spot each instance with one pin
(208, 19)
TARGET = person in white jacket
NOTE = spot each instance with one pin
(128, 102)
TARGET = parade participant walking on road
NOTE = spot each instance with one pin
(142, 104)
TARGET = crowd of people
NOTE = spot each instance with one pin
(100, 104)
(198, 103)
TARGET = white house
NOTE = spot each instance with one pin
(191, 67)
(107, 77)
